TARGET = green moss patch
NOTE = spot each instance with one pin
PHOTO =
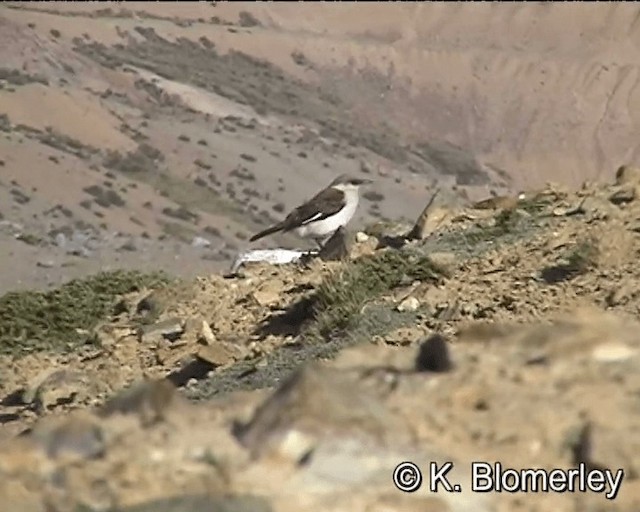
(342, 295)
(59, 319)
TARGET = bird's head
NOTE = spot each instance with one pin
(346, 182)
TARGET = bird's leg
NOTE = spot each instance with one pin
(319, 241)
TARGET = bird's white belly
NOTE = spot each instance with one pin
(329, 225)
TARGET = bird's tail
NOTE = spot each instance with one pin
(273, 229)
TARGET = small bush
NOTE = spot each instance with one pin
(341, 296)
(56, 319)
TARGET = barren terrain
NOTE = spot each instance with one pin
(485, 309)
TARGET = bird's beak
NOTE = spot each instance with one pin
(365, 181)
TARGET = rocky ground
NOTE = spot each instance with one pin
(304, 385)
(141, 146)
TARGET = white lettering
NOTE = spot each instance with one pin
(481, 477)
(437, 476)
(486, 477)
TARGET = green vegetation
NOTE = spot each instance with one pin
(59, 319)
(143, 159)
(506, 222)
(342, 295)
(18, 77)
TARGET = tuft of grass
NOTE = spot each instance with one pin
(59, 319)
(341, 296)
(143, 159)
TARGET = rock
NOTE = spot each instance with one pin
(317, 402)
(267, 295)
(444, 262)
(61, 240)
(387, 229)
(129, 246)
(192, 330)
(149, 400)
(206, 334)
(558, 241)
(408, 304)
(612, 352)
(365, 167)
(77, 436)
(623, 195)
(170, 329)
(59, 386)
(216, 354)
(194, 367)
(430, 220)
(17, 496)
(200, 242)
(433, 355)
(620, 294)
(361, 237)
(495, 203)
(597, 208)
(627, 174)
(204, 503)
(370, 355)
(337, 247)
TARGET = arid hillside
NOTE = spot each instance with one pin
(482, 306)
(162, 135)
(505, 334)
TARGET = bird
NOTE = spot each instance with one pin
(323, 214)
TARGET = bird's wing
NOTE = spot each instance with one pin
(326, 203)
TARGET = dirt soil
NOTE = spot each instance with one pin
(490, 325)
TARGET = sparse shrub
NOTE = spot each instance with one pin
(105, 198)
(299, 58)
(341, 295)
(56, 319)
(373, 196)
(18, 77)
(249, 192)
(201, 164)
(242, 173)
(507, 220)
(211, 230)
(29, 239)
(181, 213)
(246, 19)
(19, 196)
(248, 158)
(143, 159)
(63, 142)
